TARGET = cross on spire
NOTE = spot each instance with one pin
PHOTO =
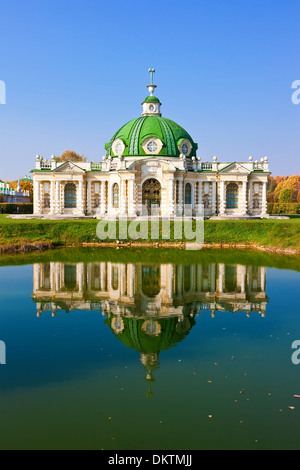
(151, 71)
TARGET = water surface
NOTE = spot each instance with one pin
(149, 350)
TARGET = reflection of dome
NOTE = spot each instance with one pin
(136, 335)
(150, 336)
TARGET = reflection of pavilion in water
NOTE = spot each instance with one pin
(151, 307)
(149, 290)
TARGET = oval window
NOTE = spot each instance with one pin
(185, 149)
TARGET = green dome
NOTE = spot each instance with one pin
(172, 332)
(151, 99)
(136, 131)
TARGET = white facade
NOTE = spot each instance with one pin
(117, 187)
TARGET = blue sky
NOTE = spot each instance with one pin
(76, 70)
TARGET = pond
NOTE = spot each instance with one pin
(149, 349)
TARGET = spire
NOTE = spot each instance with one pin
(151, 87)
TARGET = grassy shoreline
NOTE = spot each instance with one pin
(275, 235)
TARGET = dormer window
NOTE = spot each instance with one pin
(118, 147)
(185, 147)
(152, 146)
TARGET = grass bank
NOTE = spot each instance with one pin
(273, 235)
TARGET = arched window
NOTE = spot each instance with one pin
(115, 278)
(188, 194)
(47, 201)
(232, 196)
(115, 195)
(70, 277)
(70, 196)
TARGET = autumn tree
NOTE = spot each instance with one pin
(70, 156)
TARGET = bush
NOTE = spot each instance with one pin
(10, 208)
(283, 208)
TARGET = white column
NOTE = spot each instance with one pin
(244, 198)
(122, 268)
(57, 277)
(80, 276)
(109, 201)
(103, 276)
(37, 197)
(222, 198)
(170, 280)
(250, 200)
(89, 196)
(122, 197)
(132, 201)
(200, 199)
(180, 197)
(80, 197)
(264, 200)
(102, 200)
(52, 277)
(221, 277)
(131, 280)
(52, 197)
(214, 198)
(263, 279)
(57, 198)
(171, 197)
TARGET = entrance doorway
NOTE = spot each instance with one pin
(151, 197)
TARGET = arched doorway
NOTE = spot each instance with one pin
(70, 196)
(232, 196)
(152, 196)
(151, 281)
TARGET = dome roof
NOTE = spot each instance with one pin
(151, 99)
(134, 335)
(134, 133)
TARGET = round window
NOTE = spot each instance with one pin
(151, 108)
(185, 149)
(152, 146)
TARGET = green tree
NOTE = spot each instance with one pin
(285, 195)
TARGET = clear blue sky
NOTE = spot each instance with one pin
(76, 70)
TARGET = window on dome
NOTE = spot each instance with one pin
(151, 108)
(118, 148)
(185, 149)
(152, 146)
